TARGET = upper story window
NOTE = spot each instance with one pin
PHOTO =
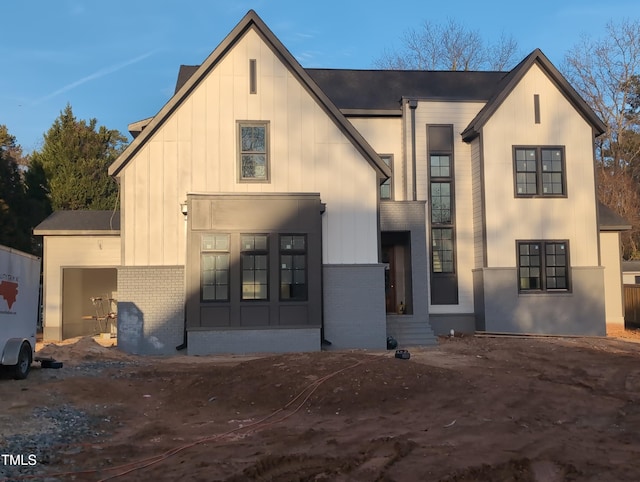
(539, 171)
(254, 151)
(386, 188)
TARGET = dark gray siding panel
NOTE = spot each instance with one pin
(580, 312)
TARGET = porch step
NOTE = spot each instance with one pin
(410, 331)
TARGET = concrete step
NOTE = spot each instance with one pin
(411, 331)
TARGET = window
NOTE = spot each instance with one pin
(440, 155)
(386, 191)
(543, 265)
(254, 151)
(293, 267)
(539, 171)
(254, 263)
(441, 213)
(214, 256)
(442, 250)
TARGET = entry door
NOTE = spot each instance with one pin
(388, 258)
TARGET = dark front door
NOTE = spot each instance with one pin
(388, 258)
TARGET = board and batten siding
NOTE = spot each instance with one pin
(195, 151)
(509, 219)
(458, 114)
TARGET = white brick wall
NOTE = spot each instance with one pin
(150, 309)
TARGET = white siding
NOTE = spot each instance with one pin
(613, 292)
(508, 218)
(458, 114)
(385, 136)
(478, 212)
(196, 151)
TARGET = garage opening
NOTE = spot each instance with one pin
(87, 294)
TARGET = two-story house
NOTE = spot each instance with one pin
(268, 207)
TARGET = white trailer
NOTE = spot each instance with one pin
(19, 305)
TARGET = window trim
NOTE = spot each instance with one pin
(539, 172)
(253, 123)
(543, 275)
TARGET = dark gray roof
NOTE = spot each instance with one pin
(383, 89)
(609, 220)
(184, 74)
(80, 223)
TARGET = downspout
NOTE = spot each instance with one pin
(413, 104)
(323, 341)
(184, 209)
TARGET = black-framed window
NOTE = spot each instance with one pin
(442, 250)
(386, 188)
(539, 171)
(253, 151)
(441, 205)
(214, 259)
(543, 266)
(254, 263)
(293, 267)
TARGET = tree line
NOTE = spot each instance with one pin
(70, 170)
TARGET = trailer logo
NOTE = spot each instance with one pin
(9, 291)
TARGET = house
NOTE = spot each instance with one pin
(269, 207)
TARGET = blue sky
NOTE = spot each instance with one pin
(118, 60)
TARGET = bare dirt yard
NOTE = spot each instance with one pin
(470, 409)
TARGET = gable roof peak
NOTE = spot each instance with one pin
(514, 77)
(253, 20)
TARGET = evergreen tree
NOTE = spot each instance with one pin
(74, 158)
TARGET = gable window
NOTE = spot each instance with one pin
(214, 258)
(539, 171)
(293, 267)
(254, 151)
(254, 263)
(543, 266)
(386, 190)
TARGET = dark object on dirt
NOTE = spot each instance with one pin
(403, 354)
(51, 364)
(392, 344)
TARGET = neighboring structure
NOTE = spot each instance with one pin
(268, 207)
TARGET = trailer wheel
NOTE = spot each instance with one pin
(21, 369)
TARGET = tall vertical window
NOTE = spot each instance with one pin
(386, 190)
(444, 281)
(293, 267)
(254, 151)
(543, 265)
(539, 171)
(254, 255)
(214, 258)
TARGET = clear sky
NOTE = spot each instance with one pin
(118, 60)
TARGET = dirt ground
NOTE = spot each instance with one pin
(470, 409)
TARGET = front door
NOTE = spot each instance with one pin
(388, 258)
